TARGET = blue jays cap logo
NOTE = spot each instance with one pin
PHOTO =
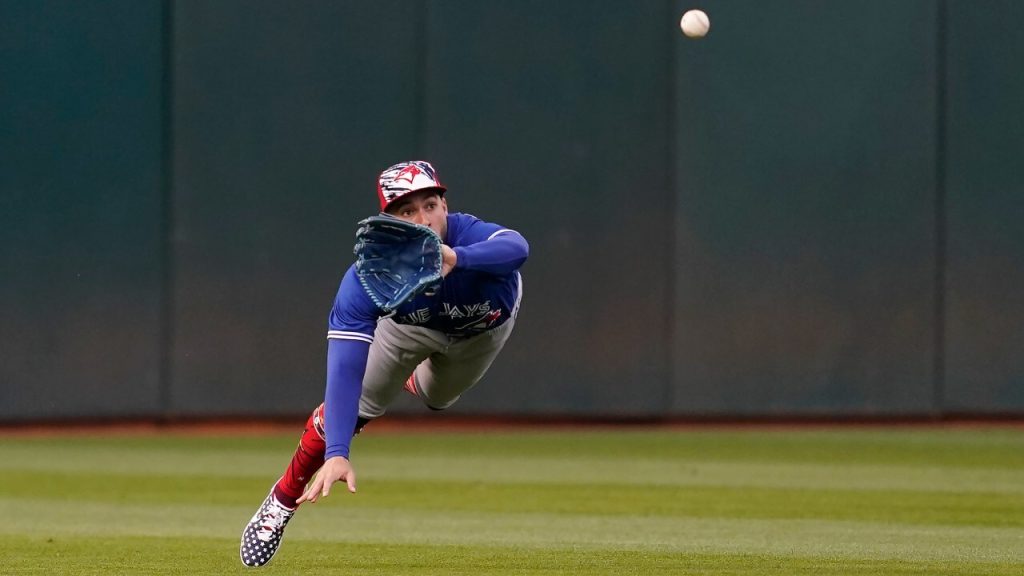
(404, 178)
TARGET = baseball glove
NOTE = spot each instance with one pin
(396, 260)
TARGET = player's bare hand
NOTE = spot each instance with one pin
(334, 470)
(448, 259)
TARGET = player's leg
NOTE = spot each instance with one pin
(396, 351)
(307, 459)
(262, 536)
(444, 376)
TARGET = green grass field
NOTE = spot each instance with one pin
(633, 501)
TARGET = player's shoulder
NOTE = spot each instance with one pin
(467, 228)
(351, 295)
(352, 312)
(461, 220)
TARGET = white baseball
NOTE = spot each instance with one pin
(695, 23)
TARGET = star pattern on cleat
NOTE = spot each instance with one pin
(262, 535)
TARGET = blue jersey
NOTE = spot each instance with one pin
(479, 294)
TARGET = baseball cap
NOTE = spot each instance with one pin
(405, 178)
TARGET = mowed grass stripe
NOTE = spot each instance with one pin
(904, 507)
(953, 448)
(578, 470)
(338, 524)
(388, 457)
(215, 556)
(585, 470)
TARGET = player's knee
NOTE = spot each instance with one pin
(316, 421)
(436, 406)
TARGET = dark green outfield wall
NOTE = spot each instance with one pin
(805, 210)
(813, 211)
(985, 200)
(80, 208)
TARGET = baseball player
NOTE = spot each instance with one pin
(435, 346)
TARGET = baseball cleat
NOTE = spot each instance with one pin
(262, 535)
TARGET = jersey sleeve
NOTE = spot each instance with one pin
(488, 247)
(350, 330)
(353, 316)
(346, 365)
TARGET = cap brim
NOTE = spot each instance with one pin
(439, 189)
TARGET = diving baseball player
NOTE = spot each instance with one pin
(435, 346)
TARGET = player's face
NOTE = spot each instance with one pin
(426, 208)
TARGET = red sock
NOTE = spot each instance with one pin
(308, 458)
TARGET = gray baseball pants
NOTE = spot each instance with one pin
(443, 367)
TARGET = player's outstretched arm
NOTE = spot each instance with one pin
(502, 253)
(334, 470)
